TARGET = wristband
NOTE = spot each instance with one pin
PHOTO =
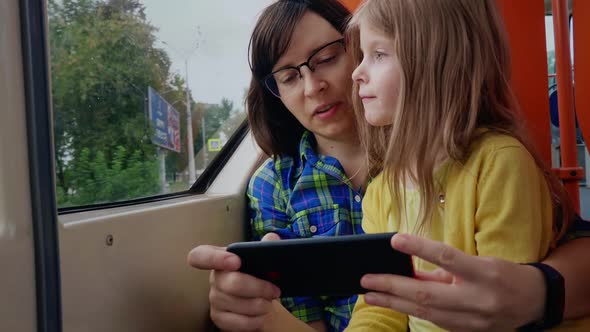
(554, 300)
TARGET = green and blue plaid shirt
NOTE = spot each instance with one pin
(305, 197)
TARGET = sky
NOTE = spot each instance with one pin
(213, 35)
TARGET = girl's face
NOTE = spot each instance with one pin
(318, 98)
(378, 76)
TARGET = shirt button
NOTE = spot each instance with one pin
(313, 229)
(357, 198)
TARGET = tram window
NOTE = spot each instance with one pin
(119, 70)
(550, 44)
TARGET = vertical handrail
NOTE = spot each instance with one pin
(351, 4)
(567, 126)
(525, 24)
(581, 12)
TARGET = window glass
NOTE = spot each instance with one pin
(582, 150)
(550, 44)
(119, 72)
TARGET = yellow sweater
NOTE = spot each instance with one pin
(496, 204)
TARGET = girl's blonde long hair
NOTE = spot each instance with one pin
(455, 65)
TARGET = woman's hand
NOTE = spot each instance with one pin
(468, 293)
(239, 302)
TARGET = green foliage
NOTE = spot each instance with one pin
(127, 176)
(103, 59)
(215, 117)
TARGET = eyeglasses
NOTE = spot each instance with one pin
(286, 81)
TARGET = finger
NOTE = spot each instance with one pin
(229, 321)
(447, 319)
(421, 292)
(241, 306)
(440, 254)
(271, 237)
(438, 275)
(401, 305)
(244, 285)
(206, 257)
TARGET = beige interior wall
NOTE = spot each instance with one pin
(142, 281)
(17, 283)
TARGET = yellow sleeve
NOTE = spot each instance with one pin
(514, 209)
(368, 318)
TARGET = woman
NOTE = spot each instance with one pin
(300, 114)
(313, 184)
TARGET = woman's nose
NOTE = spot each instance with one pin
(313, 83)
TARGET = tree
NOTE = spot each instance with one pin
(215, 116)
(103, 59)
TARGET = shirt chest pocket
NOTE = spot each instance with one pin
(322, 221)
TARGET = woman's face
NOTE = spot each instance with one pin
(319, 99)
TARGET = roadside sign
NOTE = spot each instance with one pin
(214, 144)
(165, 120)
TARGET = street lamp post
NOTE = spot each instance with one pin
(205, 147)
(189, 132)
(189, 121)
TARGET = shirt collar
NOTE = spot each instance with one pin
(308, 154)
(307, 148)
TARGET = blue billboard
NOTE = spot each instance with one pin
(165, 121)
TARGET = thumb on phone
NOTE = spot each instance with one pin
(271, 237)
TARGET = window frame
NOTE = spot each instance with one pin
(200, 186)
(41, 167)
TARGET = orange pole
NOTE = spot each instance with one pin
(567, 124)
(525, 23)
(581, 12)
(351, 4)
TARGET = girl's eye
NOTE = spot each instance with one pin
(378, 55)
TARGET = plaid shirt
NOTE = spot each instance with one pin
(305, 197)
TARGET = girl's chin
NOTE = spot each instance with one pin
(377, 121)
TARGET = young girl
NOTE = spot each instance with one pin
(454, 164)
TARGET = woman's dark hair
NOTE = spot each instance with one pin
(275, 129)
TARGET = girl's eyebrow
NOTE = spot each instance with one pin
(383, 42)
(379, 41)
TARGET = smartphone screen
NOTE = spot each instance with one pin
(330, 266)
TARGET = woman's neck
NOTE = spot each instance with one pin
(342, 148)
(349, 153)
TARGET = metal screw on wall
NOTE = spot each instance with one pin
(110, 240)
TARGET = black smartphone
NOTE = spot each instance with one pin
(331, 265)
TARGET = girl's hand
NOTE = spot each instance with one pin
(468, 293)
(239, 302)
